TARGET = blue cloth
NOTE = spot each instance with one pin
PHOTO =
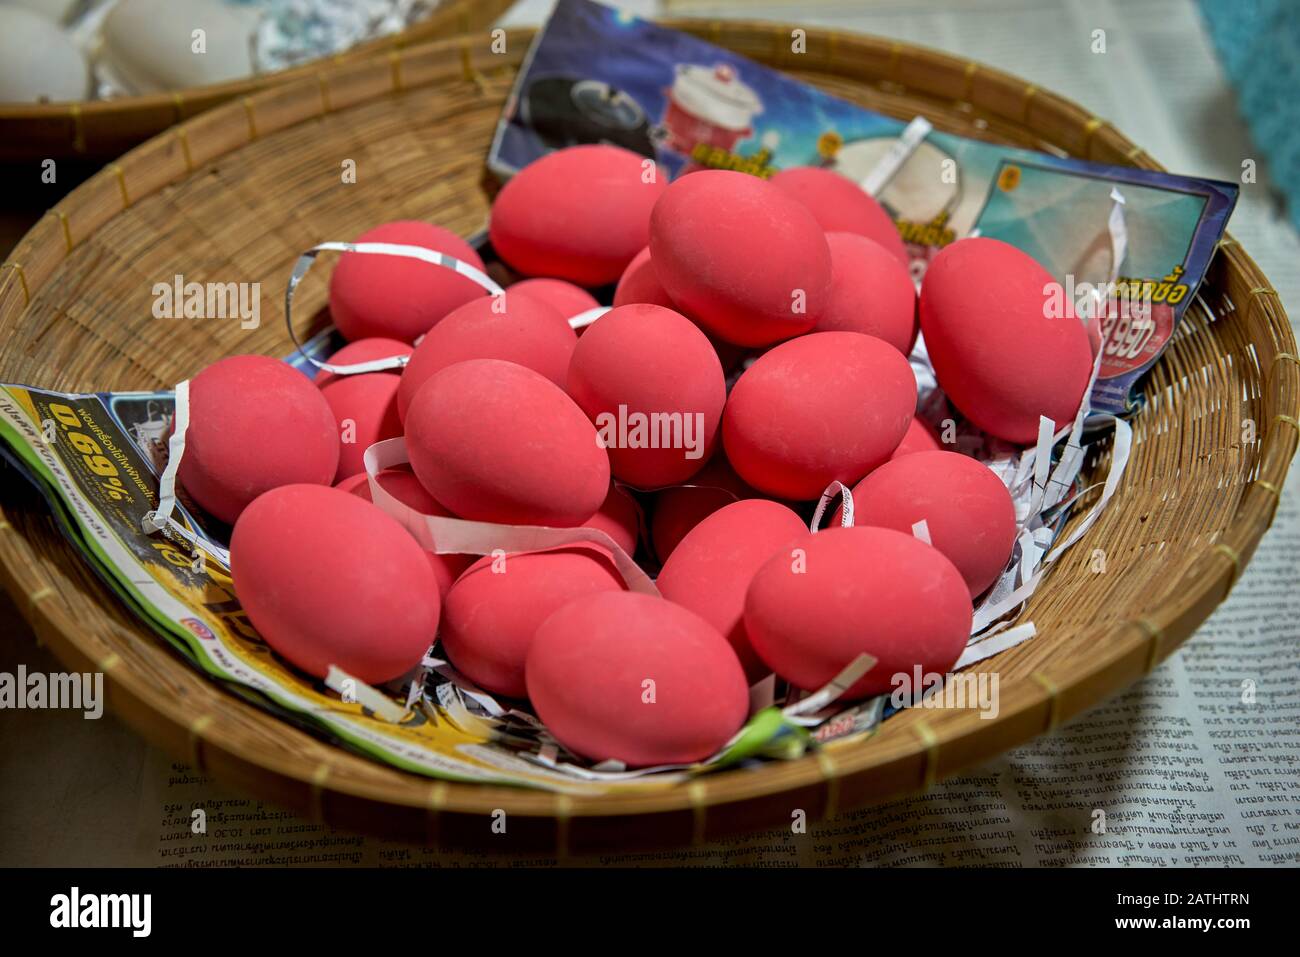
(1258, 42)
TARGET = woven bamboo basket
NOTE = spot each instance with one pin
(104, 129)
(243, 188)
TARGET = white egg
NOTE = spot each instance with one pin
(38, 61)
(155, 45)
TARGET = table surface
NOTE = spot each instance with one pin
(1159, 81)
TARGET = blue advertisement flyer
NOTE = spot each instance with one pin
(598, 74)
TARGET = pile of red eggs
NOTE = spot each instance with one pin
(513, 418)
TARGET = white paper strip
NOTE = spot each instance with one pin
(354, 689)
(162, 519)
(457, 536)
(430, 256)
(1121, 449)
(832, 690)
(995, 644)
(833, 491)
(465, 686)
(897, 154)
(157, 520)
(584, 319)
(1118, 230)
(1043, 457)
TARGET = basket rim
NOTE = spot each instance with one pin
(459, 10)
(97, 130)
(914, 756)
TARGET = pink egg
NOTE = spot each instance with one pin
(871, 292)
(354, 482)
(496, 442)
(633, 678)
(710, 570)
(495, 608)
(679, 509)
(740, 257)
(327, 579)
(920, 437)
(515, 327)
(619, 518)
(653, 386)
(842, 206)
(579, 214)
(255, 424)
(997, 351)
(967, 510)
(365, 411)
(824, 407)
(640, 284)
(406, 488)
(564, 297)
(363, 350)
(858, 590)
(395, 297)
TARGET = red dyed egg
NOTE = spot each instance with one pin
(515, 327)
(495, 608)
(741, 257)
(564, 297)
(640, 284)
(871, 293)
(255, 424)
(825, 407)
(966, 508)
(653, 386)
(328, 579)
(365, 410)
(841, 206)
(711, 568)
(997, 351)
(397, 297)
(619, 518)
(406, 488)
(679, 509)
(363, 350)
(354, 482)
(579, 214)
(496, 442)
(920, 437)
(634, 678)
(858, 590)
